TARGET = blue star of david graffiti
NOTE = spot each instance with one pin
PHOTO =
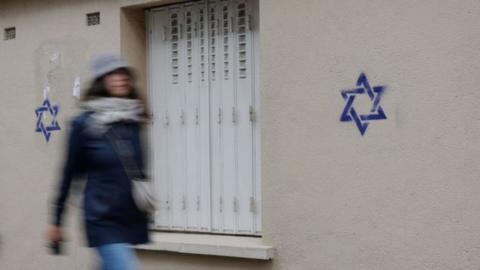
(376, 112)
(46, 130)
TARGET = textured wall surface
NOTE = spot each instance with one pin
(403, 196)
(53, 45)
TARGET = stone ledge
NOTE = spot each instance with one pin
(147, 3)
(206, 244)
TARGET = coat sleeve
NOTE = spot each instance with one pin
(71, 168)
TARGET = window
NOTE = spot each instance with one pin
(203, 75)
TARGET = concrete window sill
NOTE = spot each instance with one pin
(216, 245)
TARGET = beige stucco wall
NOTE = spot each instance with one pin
(404, 196)
(28, 165)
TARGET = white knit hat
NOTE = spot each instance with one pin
(105, 63)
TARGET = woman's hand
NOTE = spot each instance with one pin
(54, 233)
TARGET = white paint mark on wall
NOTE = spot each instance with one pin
(54, 59)
(54, 63)
(46, 91)
(76, 87)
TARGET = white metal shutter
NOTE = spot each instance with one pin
(158, 84)
(203, 81)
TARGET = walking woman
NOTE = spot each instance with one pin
(113, 222)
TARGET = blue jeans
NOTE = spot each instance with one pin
(117, 256)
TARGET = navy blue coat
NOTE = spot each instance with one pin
(110, 213)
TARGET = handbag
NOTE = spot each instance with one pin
(142, 188)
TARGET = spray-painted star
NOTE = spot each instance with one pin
(376, 112)
(53, 126)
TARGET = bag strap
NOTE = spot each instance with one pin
(124, 151)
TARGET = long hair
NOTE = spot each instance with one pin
(97, 89)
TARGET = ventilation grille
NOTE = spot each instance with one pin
(213, 33)
(189, 44)
(202, 45)
(225, 42)
(174, 49)
(93, 18)
(242, 40)
(9, 33)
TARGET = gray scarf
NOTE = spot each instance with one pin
(109, 110)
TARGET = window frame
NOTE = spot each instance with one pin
(255, 124)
